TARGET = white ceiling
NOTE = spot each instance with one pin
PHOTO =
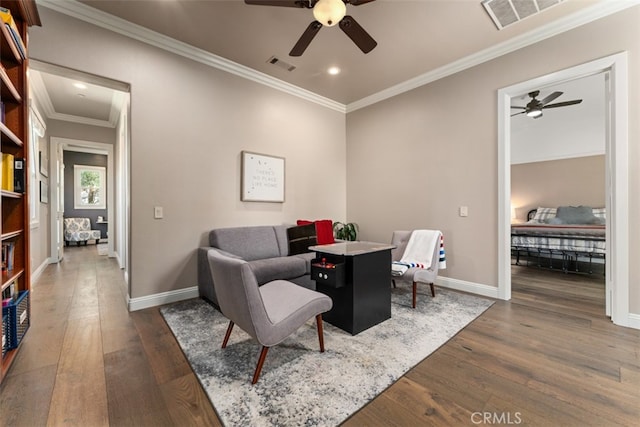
(415, 38)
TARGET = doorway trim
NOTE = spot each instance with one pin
(617, 178)
(85, 147)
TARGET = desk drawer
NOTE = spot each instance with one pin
(329, 274)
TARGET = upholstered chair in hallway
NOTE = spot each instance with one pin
(269, 313)
(426, 273)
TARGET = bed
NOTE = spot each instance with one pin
(570, 234)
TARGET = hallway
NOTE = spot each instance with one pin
(87, 361)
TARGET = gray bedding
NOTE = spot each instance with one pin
(561, 238)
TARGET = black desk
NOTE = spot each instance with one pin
(361, 291)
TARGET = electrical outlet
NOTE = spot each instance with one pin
(157, 212)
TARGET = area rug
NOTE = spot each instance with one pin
(301, 386)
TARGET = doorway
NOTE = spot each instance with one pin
(89, 114)
(558, 159)
(59, 186)
(617, 267)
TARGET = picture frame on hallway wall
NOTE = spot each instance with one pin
(262, 177)
(44, 192)
(42, 160)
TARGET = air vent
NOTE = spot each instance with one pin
(280, 63)
(507, 12)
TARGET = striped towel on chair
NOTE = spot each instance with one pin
(442, 261)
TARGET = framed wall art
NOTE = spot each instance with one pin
(262, 178)
(42, 160)
(44, 192)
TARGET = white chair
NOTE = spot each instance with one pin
(415, 275)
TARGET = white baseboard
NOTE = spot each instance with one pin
(471, 287)
(634, 321)
(154, 300)
(38, 271)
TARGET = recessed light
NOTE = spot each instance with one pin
(333, 71)
(80, 85)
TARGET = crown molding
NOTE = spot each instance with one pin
(585, 16)
(118, 25)
(104, 20)
(39, 90)
(42, 95)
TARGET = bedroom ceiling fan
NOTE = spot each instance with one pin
(326, 13)
(534, 107)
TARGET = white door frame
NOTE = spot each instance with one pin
(617, 177)
(88, 146)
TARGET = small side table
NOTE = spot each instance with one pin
(103, 224)
(364, 298)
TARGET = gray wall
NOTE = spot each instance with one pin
(189, 123)
(449, 127)
(39, 235)
(72, 158)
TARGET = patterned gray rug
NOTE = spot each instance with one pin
(301, 386)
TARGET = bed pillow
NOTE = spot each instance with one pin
(324, 230)
(543, 214)
(576, 214)
(600, 213)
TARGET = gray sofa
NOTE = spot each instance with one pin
(266, 248)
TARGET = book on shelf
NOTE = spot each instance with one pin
(10, 292)
(8, 255)
(18, 175)
(7, 19)
(7, 172)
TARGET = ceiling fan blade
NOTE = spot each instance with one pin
(517, 106)
(521, 112)
(358, 2)
(563, 104)
(305, 39)
(360, 37)
(550, 98)
(284, 3)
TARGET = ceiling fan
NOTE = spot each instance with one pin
(534, 107)
(326, 13)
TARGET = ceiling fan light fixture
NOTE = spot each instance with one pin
(329, 12)
(534, 113)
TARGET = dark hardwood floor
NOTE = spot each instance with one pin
(548, 357)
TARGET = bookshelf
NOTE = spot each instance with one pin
(14, 205)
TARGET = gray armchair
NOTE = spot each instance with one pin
(269, 313)
(415, 275)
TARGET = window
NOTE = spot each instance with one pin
(89, 187)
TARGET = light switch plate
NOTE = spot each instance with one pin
(464, 211)
(157, 212)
